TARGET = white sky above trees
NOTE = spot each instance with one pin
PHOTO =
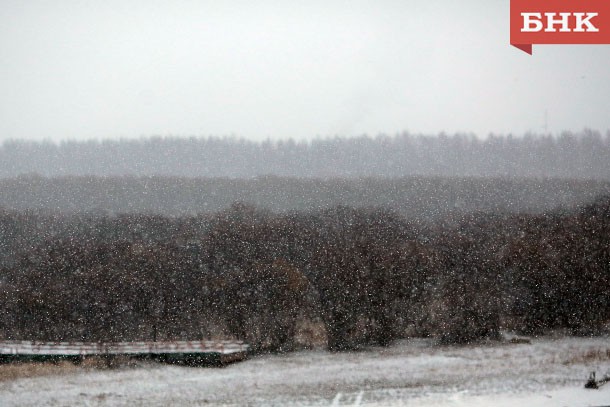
(279, 69)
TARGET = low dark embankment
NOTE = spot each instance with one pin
(367, 276)
(421, 198)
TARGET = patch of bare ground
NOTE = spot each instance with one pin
(19, 370)
(12, 371)
(588, 356)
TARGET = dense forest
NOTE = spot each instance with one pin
(581, 155)
(364, 275)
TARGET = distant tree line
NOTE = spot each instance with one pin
(368, 276)
(568, 155)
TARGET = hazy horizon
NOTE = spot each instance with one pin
(270, 70)
(581, 155)
(232, 137)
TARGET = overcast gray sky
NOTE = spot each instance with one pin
(278, 69)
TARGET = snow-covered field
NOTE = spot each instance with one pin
(547, 372)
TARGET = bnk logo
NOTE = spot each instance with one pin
(532, 22)
(559, 22)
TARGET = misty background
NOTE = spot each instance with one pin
(87, 70)
(183, 107)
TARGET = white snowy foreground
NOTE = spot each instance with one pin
(547, 372)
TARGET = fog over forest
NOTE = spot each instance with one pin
(582, 155)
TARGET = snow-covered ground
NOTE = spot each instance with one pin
(547, 372)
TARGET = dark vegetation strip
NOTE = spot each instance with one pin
(416, 198)
(368, 276)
